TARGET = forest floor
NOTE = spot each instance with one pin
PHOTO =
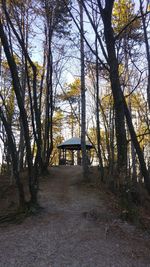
(79, 226)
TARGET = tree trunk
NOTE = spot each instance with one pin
(120, 104)
(83, 97)
(147, 51)
(112, 141)
(97, 115)
(117, 93)
(14, 158)
(48, 131)
(138, 149)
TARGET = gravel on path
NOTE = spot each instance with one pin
(68, 233)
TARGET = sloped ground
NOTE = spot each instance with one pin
(76, 228)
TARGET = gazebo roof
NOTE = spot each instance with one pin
(74, 144)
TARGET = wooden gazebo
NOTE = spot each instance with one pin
(72, 145)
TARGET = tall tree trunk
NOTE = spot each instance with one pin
(97, 115)
(112, 141)
(133, 153)
(23, 87)
(83, 97)
(116, 90)
(131, 146)
(48, 130)
(47, 123)
(147, 50)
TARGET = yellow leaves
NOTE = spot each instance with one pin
(72, 91)
(57, 121)
(14, 2)
(5, 65)
(137, 101)
(74, 88)
(123, 12)
(121, 69)
(10, 103)
(58, 116)
(148, 7)
(107, 101)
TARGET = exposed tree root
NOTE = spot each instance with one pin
(20, 214)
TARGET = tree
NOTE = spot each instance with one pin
(14, 158)
(106, 14)
(23, 114)
(83, 97)
(97, 109)
(146, 46)
(120, 105)
(123, 13)
(56, 22)
(28, 84)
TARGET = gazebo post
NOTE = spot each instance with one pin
(59, 155)
(65, 156)
(72, 157)
(89, 155)
(78, 157)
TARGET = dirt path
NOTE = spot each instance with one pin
(68, 234)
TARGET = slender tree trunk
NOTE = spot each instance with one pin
(23, 86)
(97, 115)
(50, 139)
(112, 141)
(117, 93)
(83, 97)
(48, 131)
(147, 50)
(21, 141)
(133, 153)
(131, 146)
(106, 126)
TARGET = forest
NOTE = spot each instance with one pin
(75, 68)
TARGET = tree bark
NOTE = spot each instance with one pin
(116, 90)
(136, 144)
(14, 159)
(23, 114)
(83, 97)
(97, 115)
(147, 51)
